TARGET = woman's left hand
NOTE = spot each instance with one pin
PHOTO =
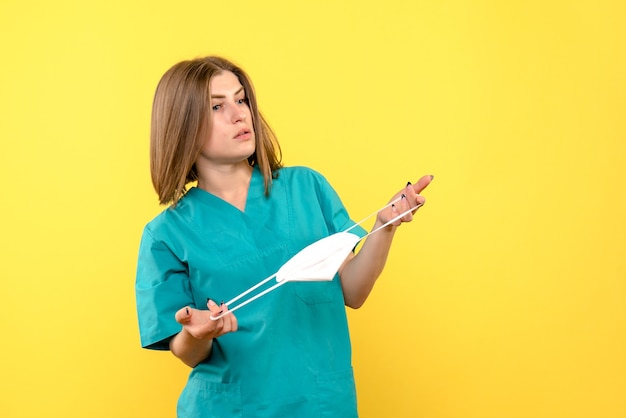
(408, 198)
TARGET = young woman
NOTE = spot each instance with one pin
(288, 354)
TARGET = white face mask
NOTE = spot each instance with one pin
(318, 261)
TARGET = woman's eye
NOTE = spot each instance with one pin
(242, 101)
(216, 107)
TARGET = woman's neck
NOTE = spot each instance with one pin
(229, 183)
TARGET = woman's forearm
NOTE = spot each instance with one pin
(360, 272)
(189, 349)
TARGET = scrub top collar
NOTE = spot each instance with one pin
(256, 190)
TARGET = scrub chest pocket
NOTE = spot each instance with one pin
(315, 293)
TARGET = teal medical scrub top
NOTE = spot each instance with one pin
(291, 356)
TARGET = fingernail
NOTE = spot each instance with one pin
(432, 177)
(403, 196)
(222, 303)
(187, 310)
(408, 183)
(393, 206)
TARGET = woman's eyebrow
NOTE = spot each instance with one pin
(221, 96)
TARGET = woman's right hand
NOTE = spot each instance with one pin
(193, 344)
(198, 322)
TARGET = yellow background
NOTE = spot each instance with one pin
(505, 298)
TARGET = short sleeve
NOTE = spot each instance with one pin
(335, 213)
(161, 289)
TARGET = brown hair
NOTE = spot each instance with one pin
(181, 121)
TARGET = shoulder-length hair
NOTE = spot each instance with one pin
(181, 121)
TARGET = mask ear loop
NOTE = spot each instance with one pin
(244, 303)
(389, 222)
(280, 283)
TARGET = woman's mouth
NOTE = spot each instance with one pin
(243, 134)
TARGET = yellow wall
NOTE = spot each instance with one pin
(505, 298)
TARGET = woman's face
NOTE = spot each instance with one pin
(232, 137)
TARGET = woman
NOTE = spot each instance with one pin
(288, 354)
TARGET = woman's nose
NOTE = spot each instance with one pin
(238, 114)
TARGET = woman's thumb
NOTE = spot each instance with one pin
(183, 315)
